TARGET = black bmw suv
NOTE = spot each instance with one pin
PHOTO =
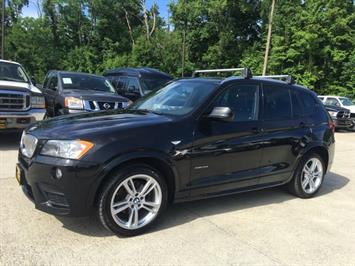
(194, 138)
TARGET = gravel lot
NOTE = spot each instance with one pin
(267, 227)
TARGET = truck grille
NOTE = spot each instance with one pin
(97, 106)
(352, 115)
(342, 114)
(14, 101)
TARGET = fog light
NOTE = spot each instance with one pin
(58, 173)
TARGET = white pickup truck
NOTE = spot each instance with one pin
(21, 103)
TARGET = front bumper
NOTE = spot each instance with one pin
(343, 123)
(20, 120)
(71, 195)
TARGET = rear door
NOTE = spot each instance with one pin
(226, 155)
(284, 127)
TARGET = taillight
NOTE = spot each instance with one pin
(331, 125)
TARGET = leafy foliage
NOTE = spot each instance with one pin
(312, 40)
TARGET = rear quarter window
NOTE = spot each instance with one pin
(312, 106)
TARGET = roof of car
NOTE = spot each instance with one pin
(9, 61)
(135, 71)
(60, 72)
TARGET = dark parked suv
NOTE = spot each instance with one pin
(133, 83)
(194, 138)
(72, 92)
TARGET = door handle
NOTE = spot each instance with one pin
(302, 125)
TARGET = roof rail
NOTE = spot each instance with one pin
(288, 78)
(246, 72)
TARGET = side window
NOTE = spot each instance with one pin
(297, 110)
(53, 83)
(126, 84)
(332, 102)
(45, 82)
(242, 99)
(277, 103)
(310, 105)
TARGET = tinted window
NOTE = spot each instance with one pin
(53, 82)
(127, 84)
(242, 99)
(310, 104)
(277, 103)
(332, 101)
(297, 110)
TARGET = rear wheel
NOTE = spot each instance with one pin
(308, 177)
(132, 200)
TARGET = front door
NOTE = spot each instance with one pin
(226, 155)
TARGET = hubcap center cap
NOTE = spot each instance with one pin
(136, 201)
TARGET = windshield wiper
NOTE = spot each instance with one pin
(149, 111)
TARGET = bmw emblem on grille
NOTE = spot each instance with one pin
(106, 106)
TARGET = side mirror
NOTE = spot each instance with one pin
(33, 80)
(221, 113)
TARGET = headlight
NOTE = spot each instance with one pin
(333, 114)
(126, 104)
(38, 102)
(74, 103)
(68, 149)
(28, 145)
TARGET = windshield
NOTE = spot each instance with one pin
(12, 72)
(86, 82)
(153, 84)
(177, 98)
(346, 101)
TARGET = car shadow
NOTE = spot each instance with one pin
(182, 213)
(10, 140)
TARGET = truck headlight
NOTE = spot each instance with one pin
(67, 149)
(38, 102)
(333, 114)
(74, 103)
(126, 104)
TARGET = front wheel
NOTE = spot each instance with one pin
(308, 177)
(132, 200)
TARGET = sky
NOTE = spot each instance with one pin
(31, 10)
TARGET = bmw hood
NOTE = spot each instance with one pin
(86, 125)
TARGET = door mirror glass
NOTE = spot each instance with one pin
(221, 113)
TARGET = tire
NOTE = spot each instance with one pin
(115, 197)
(307, 190)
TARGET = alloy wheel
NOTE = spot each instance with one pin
(136, 201)
(312, 175)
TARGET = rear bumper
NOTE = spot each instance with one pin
(69, 195)
(20, 120)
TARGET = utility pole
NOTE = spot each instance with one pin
(3, 29)
(268, 37)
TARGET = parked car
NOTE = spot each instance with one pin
(134, 83)
(340, 116)
(194, 138)
(21, 102)
(73, 92)
(338, 101)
